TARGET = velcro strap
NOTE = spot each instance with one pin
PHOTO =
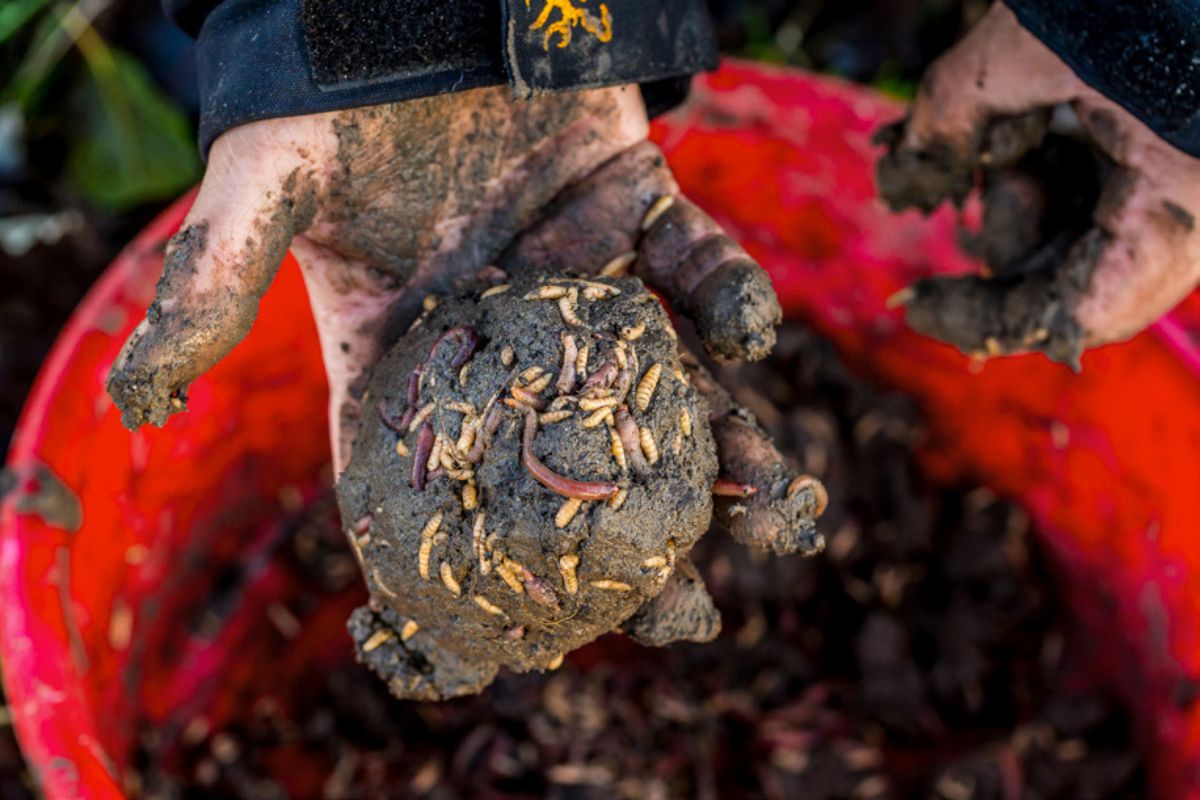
(540, 45)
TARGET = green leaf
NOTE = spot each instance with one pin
(133, 146)
(15, 13)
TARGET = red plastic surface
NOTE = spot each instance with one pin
(99, 628)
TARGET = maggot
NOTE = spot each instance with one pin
(656, 210)
(470, 496)
(448, 579)
(551, 417)
(555, 662)
(529, 373)
(597, 417)
(477, 531)
(547, 291)
(421, 416)
(618, 499)
(409, 630)
(432, 526)
(507, 356)
(495, 290)
(646, 386)
(567, 306)
(597, 403)
(488, 606)
(634, 332)
(612, 586)
(618, 449)
(649, 446)
(509, 577)
(567, 512)
(378, 639)
(685, 422)
(566, 567)
(401, 448)
(423, 553)
(435, 454)
(540, 384)
(581, 360)
(619, 265)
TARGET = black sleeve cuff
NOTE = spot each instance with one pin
(258, 59)
(1144, 55)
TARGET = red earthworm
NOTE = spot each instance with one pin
(421, 455)
(468, 342)
(525, 397)
(413, 397)
(724, 487)
(627, 431)
(603, 376)
(559, 484)
(391, 424)
(539, 589)
(566, 376)
(484, 438)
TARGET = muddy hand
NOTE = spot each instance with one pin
(985, 106)
(384, 205)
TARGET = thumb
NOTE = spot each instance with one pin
(252, 201)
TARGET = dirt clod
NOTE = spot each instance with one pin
(555, 534)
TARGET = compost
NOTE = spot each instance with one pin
(923, 655)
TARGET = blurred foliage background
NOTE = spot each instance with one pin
(97, 120)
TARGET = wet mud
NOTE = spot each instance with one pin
(1038, 240)
(518, 497)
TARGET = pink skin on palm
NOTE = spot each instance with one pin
(382, 206)
(1143, 254)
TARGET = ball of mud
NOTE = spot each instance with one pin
(532, 468)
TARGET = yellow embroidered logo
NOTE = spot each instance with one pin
(571, 16)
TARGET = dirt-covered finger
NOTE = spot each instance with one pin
(216, 269)
(682, 612)
(1133, 265)
(758, 497)
(627, 215)
(982, 104)
(687, 255)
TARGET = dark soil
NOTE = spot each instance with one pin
(920, 656)
(485, 580)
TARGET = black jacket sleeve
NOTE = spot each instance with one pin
(1142, 54)
(258, 59)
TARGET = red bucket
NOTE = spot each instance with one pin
(110, 538)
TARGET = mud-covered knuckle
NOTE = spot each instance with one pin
(683, 612)
(596, 219)
(1012, 314)
(736, 311)
(780, 516)
(923, 177)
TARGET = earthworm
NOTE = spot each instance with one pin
(559, 484)
(603, 376)
(724, 487)
(468, 342)
(391, 424)
(421, 455)
(631, 441)
(413, 397)
(566, 376)
(484, 437)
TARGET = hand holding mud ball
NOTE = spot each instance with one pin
(396, 209)
(1089, 226)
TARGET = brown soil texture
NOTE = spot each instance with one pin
(923, 655)
(485, 580)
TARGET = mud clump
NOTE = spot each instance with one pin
(534, 467)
